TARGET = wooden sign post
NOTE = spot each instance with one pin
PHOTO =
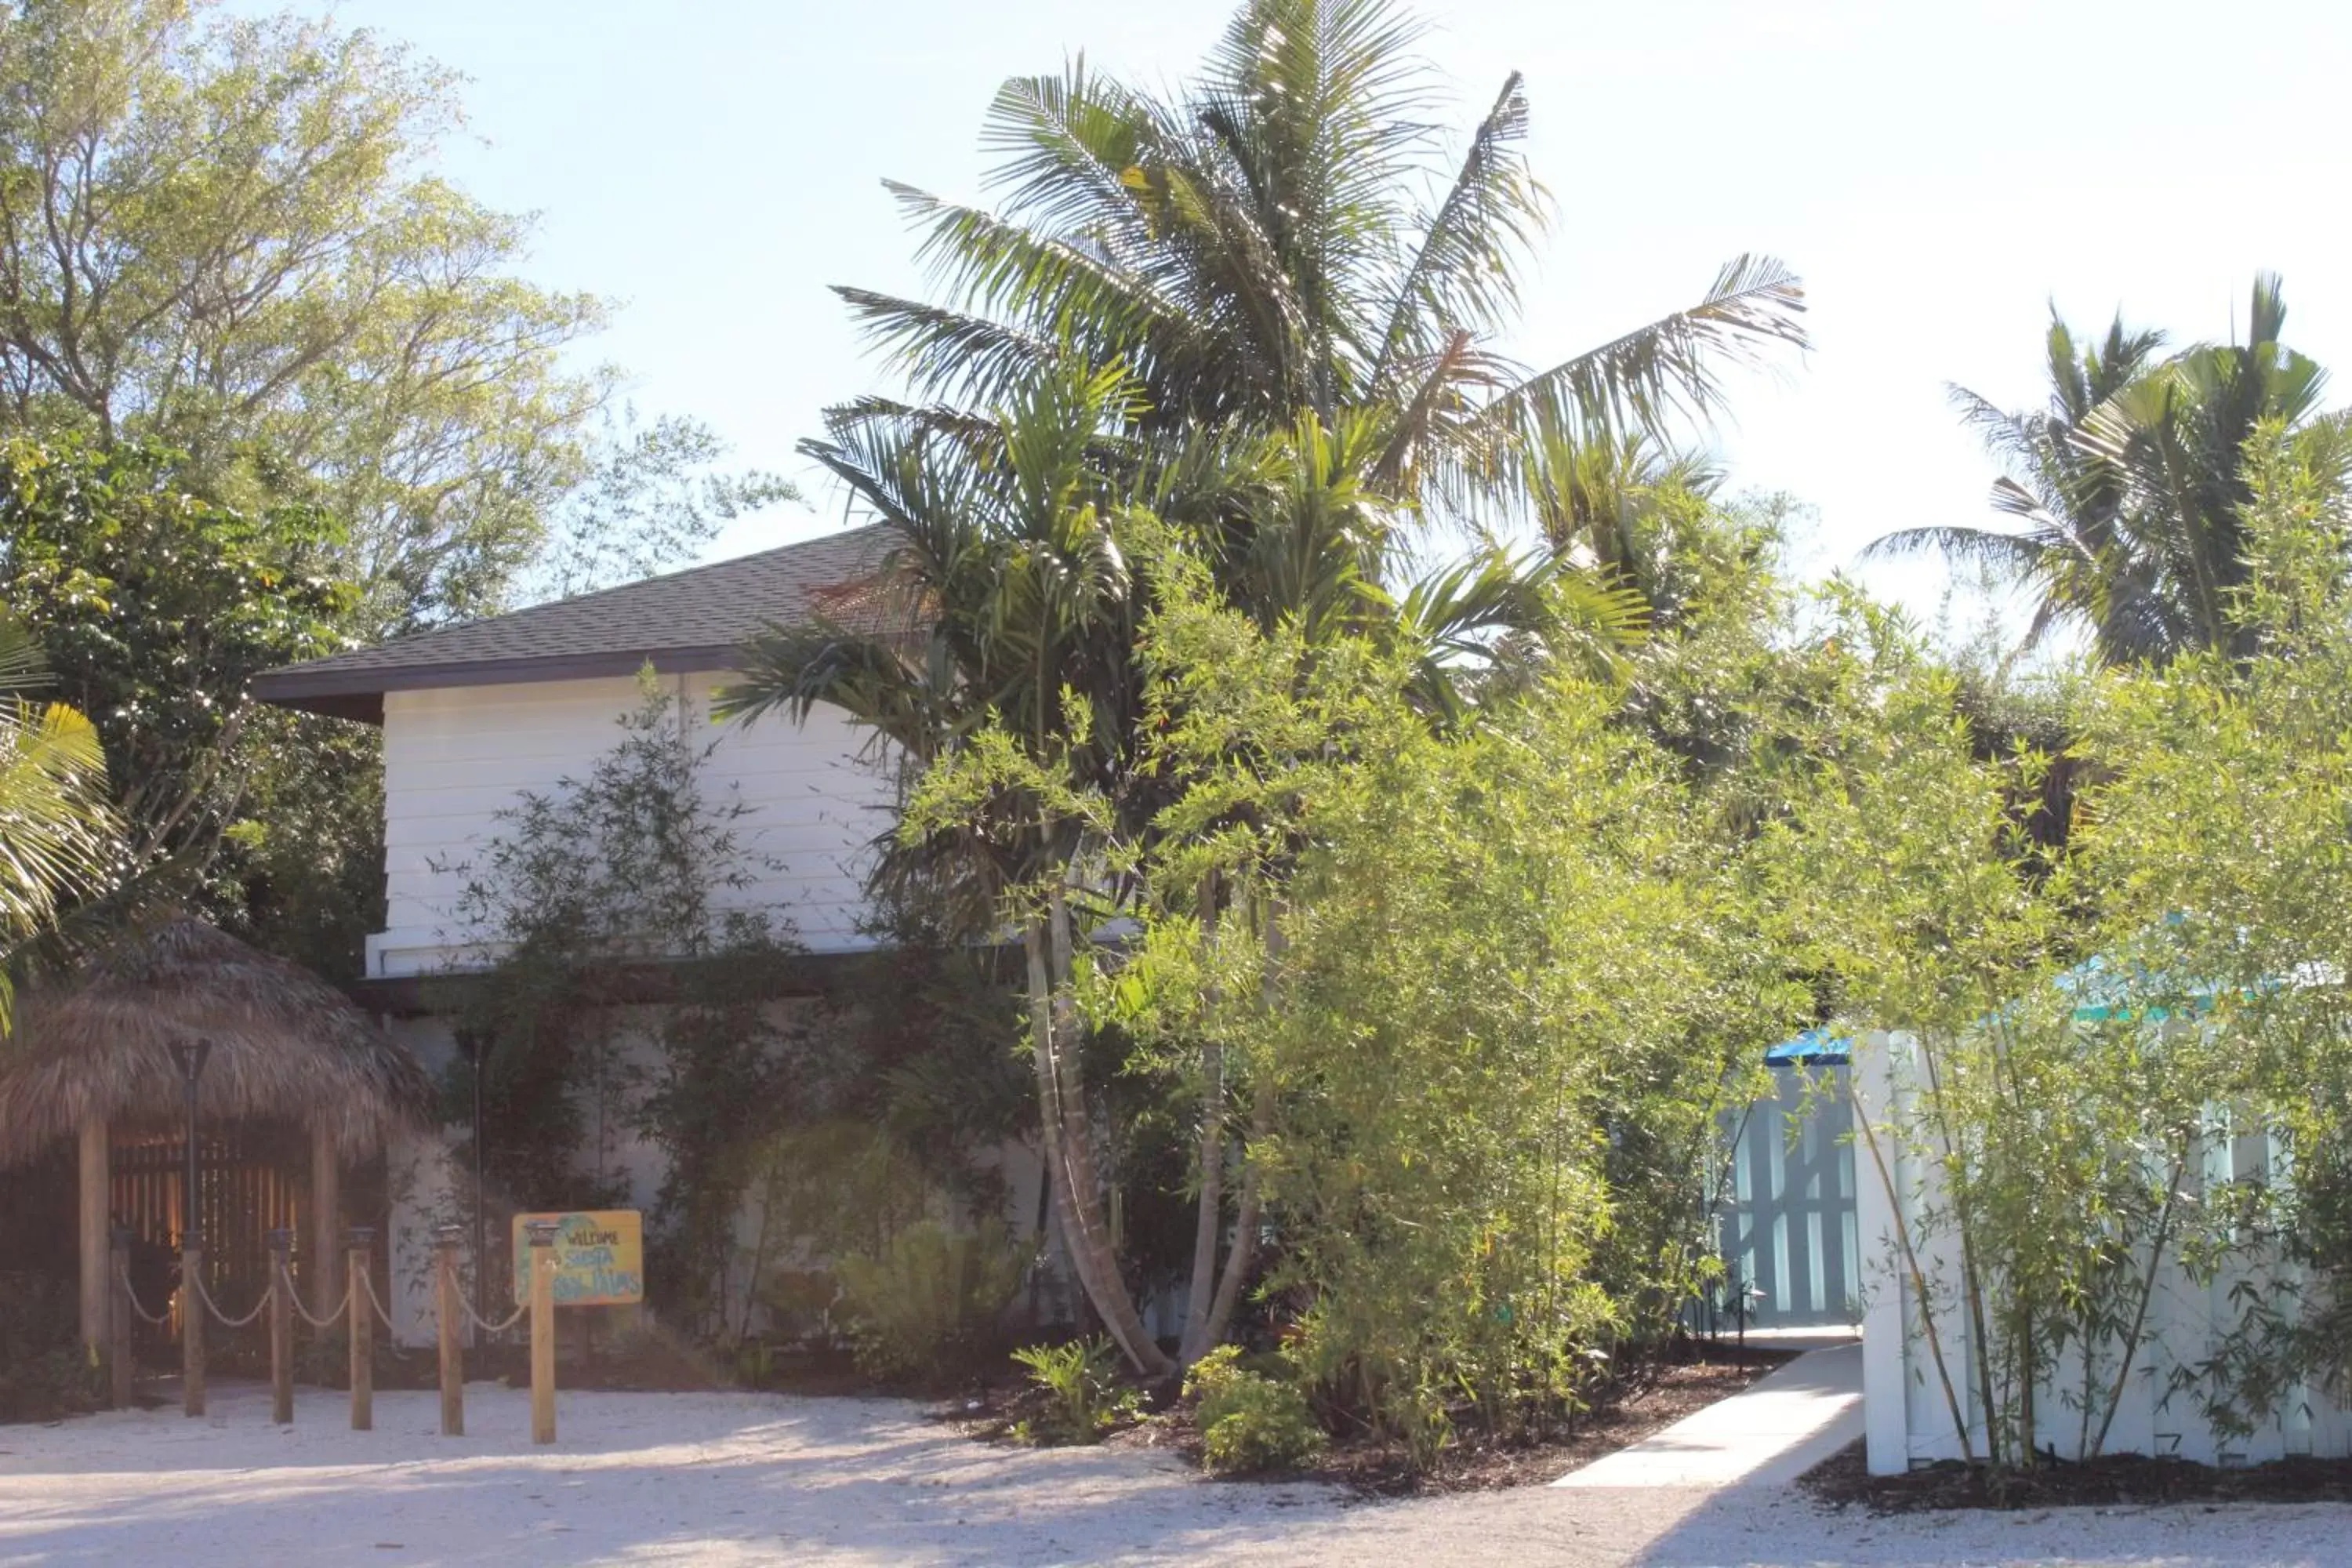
(593, 1257)
(281, 1329)
(453, 1364)
(362, 1325)
(541, 1276)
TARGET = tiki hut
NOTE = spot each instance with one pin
(91, 1059)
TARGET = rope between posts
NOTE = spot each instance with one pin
(485, 1324)
(294, 1296)
(225, 1320)
(158, 1318)
(382, 1312)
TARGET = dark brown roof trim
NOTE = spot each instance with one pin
(800, 974)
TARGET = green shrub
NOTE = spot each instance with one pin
(1082, 1378)
(930, 1303)
(1249, 1422)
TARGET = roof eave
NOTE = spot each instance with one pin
(358, 693)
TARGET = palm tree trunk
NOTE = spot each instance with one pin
(1069, 1154)
(1197, 1341)
(1238, 1262)
(1244, 1251)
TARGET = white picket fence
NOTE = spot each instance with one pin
(1908, 1417)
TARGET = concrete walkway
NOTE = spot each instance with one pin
(1774, 1431)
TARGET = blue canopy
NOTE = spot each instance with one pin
(1814, 1048)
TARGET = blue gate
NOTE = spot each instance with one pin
(1791, 1245)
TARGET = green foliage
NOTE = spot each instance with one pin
(1081, 1377)
(1249, 1422)
(2121, 1046)
(44, 1369)
(1498, 980)
(928, 1304)
(155, 609)
(628, 866)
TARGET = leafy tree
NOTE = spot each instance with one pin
(1308, 347)
(155, 609)
(225, 234)
(2132, 487)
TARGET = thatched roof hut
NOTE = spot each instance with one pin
(92, 1060)
(286, 1046)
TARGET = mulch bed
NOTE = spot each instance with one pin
(1475, 1463)
(2113, 1481)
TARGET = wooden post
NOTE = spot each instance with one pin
(281, 1330)
(543, 1328)
(450, 1312)
(192, 1330)
(118, 1296)
(97, 1289)
(362, 1239)
(324, 1250)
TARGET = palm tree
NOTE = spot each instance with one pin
(2130, 488)
(1281, 236)
(1005, 609)
(1620, 507)
(58, 837)
(1308, 303)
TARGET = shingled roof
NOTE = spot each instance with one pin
(687, 620)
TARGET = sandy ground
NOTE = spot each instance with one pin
(732, 1479)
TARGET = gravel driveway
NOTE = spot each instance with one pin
(729, 1479)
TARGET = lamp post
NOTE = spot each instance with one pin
(189, 1057)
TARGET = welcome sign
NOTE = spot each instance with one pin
(600, 1257)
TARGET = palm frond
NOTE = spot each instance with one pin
(946, 353)
(1464, 274)
(2022, 555)
(1672, 366)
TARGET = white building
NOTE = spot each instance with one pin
(476, 716)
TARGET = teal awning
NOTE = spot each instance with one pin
(1814, 1048)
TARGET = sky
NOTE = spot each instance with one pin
(1939, 174)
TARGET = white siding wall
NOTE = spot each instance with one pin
(454, 758)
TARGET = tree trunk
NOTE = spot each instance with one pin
(1198, 1340)
(1069, 1154)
